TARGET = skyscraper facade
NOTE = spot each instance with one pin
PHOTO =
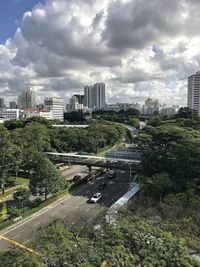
(94, 96)
(56, 105)
(27, 99)
(88, 96)
(193, 99)
(13, 105)
(2, 104)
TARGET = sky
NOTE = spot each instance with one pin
(138, 48)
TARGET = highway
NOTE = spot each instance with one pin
(72, 209)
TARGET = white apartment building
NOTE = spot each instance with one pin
(45, 113)
(193, 99)
(56, 105)
(10, 114)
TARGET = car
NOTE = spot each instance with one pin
(76, 178)
(112, 174)
(95, 198)
(102, 186)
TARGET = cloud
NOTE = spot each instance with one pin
(139, 48)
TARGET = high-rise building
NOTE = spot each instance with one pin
(193, 99)
(2, 105)
(56, 105)
(94, 96)
(74, 104)
(99, 96)
(27, 99)
(152, 103)
(80, 98)
(13, 105)
(88, 96)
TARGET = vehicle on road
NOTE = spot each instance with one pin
(102, 186)
(112, 174)
(76, 178)
(95, 198)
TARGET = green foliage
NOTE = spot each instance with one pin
(46, 176)
(16, 258)
(14, 212)
(126, 244)
(22, 195)
(10, 157)
(122, 116)
(135, 122)
(186, 113)
(3, 211)
(174, 150)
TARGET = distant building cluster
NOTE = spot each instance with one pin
(92, 99)
(52, 109)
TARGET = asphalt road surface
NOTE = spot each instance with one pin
(72, 209)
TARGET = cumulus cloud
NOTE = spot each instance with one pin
(139, 48)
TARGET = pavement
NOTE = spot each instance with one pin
(72, 209)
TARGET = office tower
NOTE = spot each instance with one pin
(88, 96)
(193, 99)
(80, 98)
(152, 103)
(99, 96)
(74, 104)
(2, 105)
(94, 96)
(56, 105)
(13, 105)
(27, 99)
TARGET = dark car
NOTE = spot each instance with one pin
(76, 178)
(102, 186)
(112, 174)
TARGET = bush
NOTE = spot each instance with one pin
(37, 202)
(14, 212)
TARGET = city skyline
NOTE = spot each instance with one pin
(59, 46)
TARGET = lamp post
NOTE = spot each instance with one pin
(130, 174)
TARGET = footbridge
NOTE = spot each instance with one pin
(89, 160)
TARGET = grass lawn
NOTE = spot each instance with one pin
(13, 184)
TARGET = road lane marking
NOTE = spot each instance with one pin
(26, 241)
(36, 224)
(13, 242)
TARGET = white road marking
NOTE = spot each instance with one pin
(26, 241)
(48, 208)
(36, 224)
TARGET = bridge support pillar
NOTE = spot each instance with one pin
(89, 168)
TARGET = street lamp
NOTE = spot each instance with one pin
(130, 174)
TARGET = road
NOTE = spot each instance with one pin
(71, 209)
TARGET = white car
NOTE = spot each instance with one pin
(95, 198)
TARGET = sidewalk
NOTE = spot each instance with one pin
(111, 215)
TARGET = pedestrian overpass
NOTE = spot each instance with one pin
(89, 160)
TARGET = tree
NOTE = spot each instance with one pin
(135, 122)
(10, 157)
(3, 211)
(14, 212)
(22, 195)
(186, 113)
(158, 185)
(46, 177)
(59, 246)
